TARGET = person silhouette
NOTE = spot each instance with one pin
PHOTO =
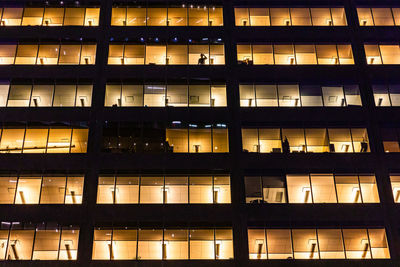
(202, 59)
(286, 146)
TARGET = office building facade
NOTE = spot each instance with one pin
(203, 133)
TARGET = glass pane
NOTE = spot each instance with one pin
(346, 54)
(79, 140)
(35, 140)
(356, 243)
(242, 17)
(323, 188)
(300, 16)
(92, 16)
(176, 245)
(257, 244)
(74, 190)
(88, 55)
(12, 16)
(177, 95)
(177, 140)
(305, 55)
(199, 54)
(220, 141)
(270, 140)
(127, 190)
(218, 96)
(84, 96)
(69, 243)
(279, 244)
(177, 55)
(216, 16)
(274, 189)
(64, 96)
(253, 189)
(280, 17)
(348, 189)
(379, 245)
(106, 190)
(381, 96)
(20, 244)
(390, 54)
(59, 140)
(373, 54)
(321, 17)
(330, 244)
(28, 190)
(294, 139)
(4, 89)
(299, 188)
(7, 54)
(102, 245)
(155, 55)
(118, 17)
(132, 95)
(177, 17)
(11, 140)
(202, 244)
(382, 16)
(250, 140)
(394, 91)
(200, 190)
(8, 186)
(42, 96)
(32, 17)
(136, 16)
(53, 190)
(395, 180)
(69, 55)
(369, 189)
(305, 244)
(151, 190)
(150, 244)
(247, 95)
(19, 95)
(46, 245)
(262, 55)
(124, 244)
(154, 95)
(317, 140)
(340, 140)
(198, 16)
(360, 140)
(327, 54)
(289, 95)
(267, 95)
(26, 54)
(48, 55)
(176, 190)
(311, 96)
(74, 16)
(156, 16)
(53, 17)
(339, 16)
(222, 189)
(223, 244)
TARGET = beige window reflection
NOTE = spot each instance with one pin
(26, 54)
(382, 16)
(178, 140)
(155, 55)
(340, 141)
(102, 245)
(395, 181)
(74, 16)
(198, 16)
(92, 16)
(53, 17)
(284, 55)
(136, 17)
(279, 244)
(59, 140)
(124, 244)
(88, 55)
(42, 96)
(222, 190)
(12, 140)
(53, 190)
(48, 55)
(258, 17)
(118, 16)
(270, 141)
(317, 140)
(215, 16)
(200, 140)
(28, 190)
(379, 245)
(338, 16)
(7, 54)
(323, 188)
(177, 55)
(305, 55)
(305, 244)
(262, 55)
(12, 16)
(46, 245)
(106, 190)
(201, 190)
(299, 189)
(150, 245)
(79, 140)
(390, 54)
(300, 16)
(357, 244)
(69, 243)
(280, 17)
(176, 244)
(177, 17)
(32, 17)
(20, 244)
(176, 190)
(156, 16)
(330, 243)
(69, 55)
(126, 190)
(8, 187)
(152, 190)
(321, 17)
(202, 244)
(19, 95)
(74, 192)
(35, 140)
(199, 54)
(257, 244)
(327, 54)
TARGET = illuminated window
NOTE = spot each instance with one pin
(43, 242)
(395, 180)
(382, 54)
(386, 95)
(166, 54)
(378, 16)
(50, 190)
(171, 16)
(390, 139)
(317, 244)
(260, 54)
(164, 190)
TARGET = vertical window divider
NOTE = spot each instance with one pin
(316, 53)
(311, 189)
(188, 194)
(15, 53)
(372, 16)
(317, 237)
(294, 53)
(258, 141)
(111, 243)
(277, 95)
(330, 13)
(336, 193)
(391, 13)
(137, 237)
(305, 143)
(139, 190)
(59, 241)
(8, 94)
(389, 94)
(120, 94)
(65, 188)
(34, 240)
(290, 16)
(213, 187)
(43, 15)
(30, 96)
(380, 53)
(76, 95)
(343, 243)
(54, 93)
(115, 189)
(337, 54)
(16, 190)
(327, 136)
(345, 95)
(8, 241)
(84, 16)
(215, 246)
(70, 143)
(359, 186)
(189, 243)
(291, 242)
(369, 242)
(248, 16)
(23, 140)
(59, 53)
(352, 141)
(41, 189)
(63, 19)
(311, 18)
(269, 15)
(80, 53)
(164, 193)
(265, 238)
(212, 145)
(255, 95)
(47, 140)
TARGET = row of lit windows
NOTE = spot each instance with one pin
(294, 54)
(39, 139)
(41, 242)
(293, 95)
(200, 189)
(197, 139)
(195, 54)
(160, 95)
(313, 188)
(194, 95)
(48, 54)
(164, 190)
(49, 16)
(53, 242)
(41, 190)
(26, 95)
(161, 54)
(315, 244)
(171, 16)
(290, 17)
(162, 244)
(379, 16)
(309, 140)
